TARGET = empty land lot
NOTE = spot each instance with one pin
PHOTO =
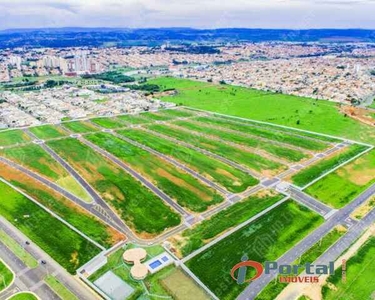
(360, 283)
(278, 151)
(323, 166)
(80, 126)
(139, 208)
(204, 232)
(36, 159)
(6, 276)
(68, 248)
(251, 160)
(299, 112)
(232, 179)
(186, 189)
(285, 225)
(13, 137)
(66, 209)
(46, 132)
(343, 185)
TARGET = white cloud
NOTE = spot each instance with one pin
(193, 13)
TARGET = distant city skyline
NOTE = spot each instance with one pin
(291, 14)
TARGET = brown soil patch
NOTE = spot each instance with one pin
(361, 211)
(229, 175)
(359, 114)
(358, 175)
(181, 182)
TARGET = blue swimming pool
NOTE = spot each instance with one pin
(155, 264)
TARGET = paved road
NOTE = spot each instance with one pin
(294, 253)
(218, 157)
(32, 279)
(176, 163)
(139, 177)
(310, 202)
(87, 206)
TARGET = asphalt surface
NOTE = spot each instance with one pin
(295, 252)
(309, 201)
(33, 279)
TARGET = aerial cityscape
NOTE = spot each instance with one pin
(208, 155)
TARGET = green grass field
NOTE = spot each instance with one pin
(156, 116)
(70, 212)
(68, 248)
(23, 296)
(314, 115)
(273, 289)
(80, 127)
(204, 232)
(6, 276)
(46, 132)
(36, 159)
(343, 185)
(253, 161)
(323, 166)
(275, 127)
(138, 207)
(109, 123)
(276, 150)
(179, 113)
(59, 288)
(360, 281)
(134, 119)
(267, 133)
(225, 175)
(13, 137)
(181, 186)
(284, 226)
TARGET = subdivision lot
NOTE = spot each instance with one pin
(80, 126)
(46, 132)
(276, 150)
(36, 159)
(360, 283)
(273, 127)
(184, 188)
(253, 161)
(139, 208)
(109, 123)
(67, 210)
(273, 289)
(232, 179)
(134, 119)
(341, 186)
(6, 276)
(12, 137)
(264, 239)
(155, 116)
(179, 113)
(266, 133)
(67, 247)
(299, 112)
(323, 166)
(205, 231)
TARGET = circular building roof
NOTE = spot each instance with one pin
(134, 255)
(139, 271)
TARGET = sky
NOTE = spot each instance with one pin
(293, 14)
